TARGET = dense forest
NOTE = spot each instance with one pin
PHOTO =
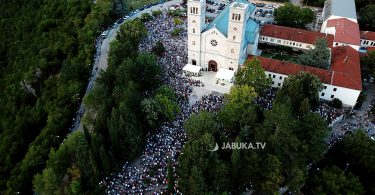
(45, 55)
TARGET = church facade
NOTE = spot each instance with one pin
(226, 41)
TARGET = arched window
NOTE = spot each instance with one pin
(196, 11)
(193, 62)
(233, 16)
(193, 30)
(239, 17)
(191, 10)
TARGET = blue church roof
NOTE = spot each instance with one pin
(222, 20)
(251, 31)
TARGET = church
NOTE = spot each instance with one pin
(223, 46)
(224, 43)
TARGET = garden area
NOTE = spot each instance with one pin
(279, 53)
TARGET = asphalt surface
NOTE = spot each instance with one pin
(101, 58)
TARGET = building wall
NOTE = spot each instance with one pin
(196, 23)
(347, 96)
(224, 53)
(367, 43)
(337, 44)
(283, 42)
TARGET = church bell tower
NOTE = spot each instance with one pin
(196, 24)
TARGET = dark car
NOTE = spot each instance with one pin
(260, 4)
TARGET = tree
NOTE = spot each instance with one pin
(252, 74)
(293, 16)
(318, 57)
(177, 21)
(156, 13)
(151, 110)
(158, 48)
(200, 170)
(336, 103)
(298, 87)
(125, 133)
(238, 105)
(367, 17)
(355, 155)
(170, 177)
(133, 31)
(199, 124)
(333, 180)
(70, 169)
(271, 175)
(368, 63)
(146, 17)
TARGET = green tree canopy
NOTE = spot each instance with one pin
(318, 57)
(333, 180)
(367, 17)
(252, 74)
(299, 87)
(293, 16)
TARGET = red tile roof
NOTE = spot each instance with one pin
(368, 35)
(347, 31)
(370, 49)
(294, 34)
(345, 69)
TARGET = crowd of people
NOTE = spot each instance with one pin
(265, 101)
(149, 173)
(356, 119)
(210, 103)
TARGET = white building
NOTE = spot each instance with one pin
(295, 38)
(342, 80)
(340, 20)
(226, 41)
(367, 39)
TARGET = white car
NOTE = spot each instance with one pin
(268, 6)
(125, 17)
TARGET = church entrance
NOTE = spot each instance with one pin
(212, 66)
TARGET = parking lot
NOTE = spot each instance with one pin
(263, 13)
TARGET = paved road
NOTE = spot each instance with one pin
(101, 57)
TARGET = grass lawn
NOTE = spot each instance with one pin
(273, 54)
(135, 4)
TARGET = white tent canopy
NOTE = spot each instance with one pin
(225, 74)
(191, 68)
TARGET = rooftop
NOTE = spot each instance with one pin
(343, 8)
(347, 31)
(294, 34)
(368, 35)
(345, 68)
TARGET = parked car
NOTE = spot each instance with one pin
(260, 4)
